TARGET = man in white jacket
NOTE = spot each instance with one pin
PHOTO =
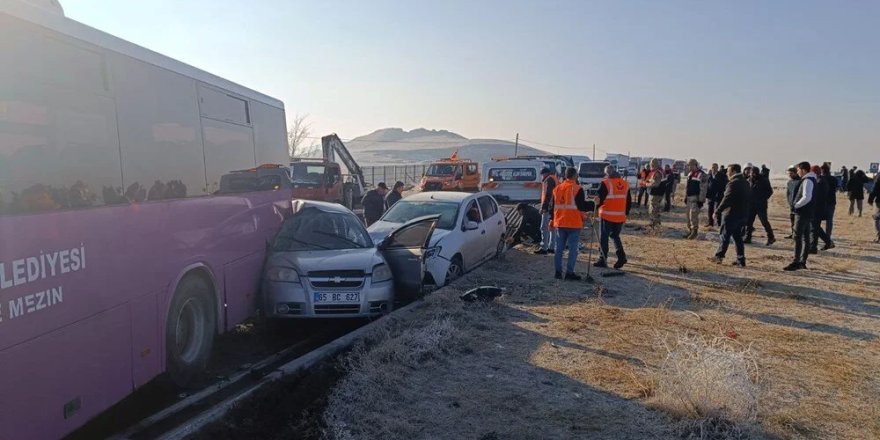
(803, 203)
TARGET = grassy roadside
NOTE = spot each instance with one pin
(679, 347)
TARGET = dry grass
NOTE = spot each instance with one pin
(576, 360)
(710, 382)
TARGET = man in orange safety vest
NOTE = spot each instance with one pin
(569, 204)
(614, 204)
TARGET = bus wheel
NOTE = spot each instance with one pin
(189, 330)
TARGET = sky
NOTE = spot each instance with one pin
(771, 82)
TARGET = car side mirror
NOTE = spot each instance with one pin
(471, 226)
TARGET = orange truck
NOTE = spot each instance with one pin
(316, 179)
(451, 174)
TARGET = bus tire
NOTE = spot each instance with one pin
(190, 330)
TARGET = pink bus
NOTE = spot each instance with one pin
(122, 255)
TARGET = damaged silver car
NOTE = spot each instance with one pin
(323, 264)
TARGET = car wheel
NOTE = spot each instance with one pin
(189, 330)
(455, 269)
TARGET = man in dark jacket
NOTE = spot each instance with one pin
(548, 234)
(830, 202)
(793, 181)
(374, 203)
(712, 192)
(761, 192)
(856, 189)
(736, 203)
(819, 213)
(717, 187)
(874, 199)
(844, 178)
(804, 206)
(394, 195)
(669, 175)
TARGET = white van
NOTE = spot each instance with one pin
(590, 175)
(513, 180)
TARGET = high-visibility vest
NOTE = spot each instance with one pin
(565, 210)
(544, 186)
(614, 207)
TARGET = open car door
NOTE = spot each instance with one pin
(404, 250)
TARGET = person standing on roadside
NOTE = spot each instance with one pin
(804, 204)
(790, 188)
(736, 204)
(657, 191)
(394, 195)
(874, 199)
(569, 205)
(643, 187)
(614, 205)
(374, 203)
(856, 189)
(669, 188)
(844, 178)
(820, 206)
(548, 234)
(761, 193)
(695, 196)
(714, 180)
(831, 201)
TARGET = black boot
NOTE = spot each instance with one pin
(621, 260)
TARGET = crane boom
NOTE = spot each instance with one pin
(332, 148)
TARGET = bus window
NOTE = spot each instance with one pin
(159, 130)
(227, 147)
(58, 149)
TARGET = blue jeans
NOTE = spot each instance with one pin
(548, 236)
(566, 237)
(610, 230)
(732, 228)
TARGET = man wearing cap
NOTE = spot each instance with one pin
(657, 192)
(395, 195)
(695, 196)
(614, 205)
(374, 203)
(548, 235)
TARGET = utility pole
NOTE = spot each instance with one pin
(516, 146)
(594, 151)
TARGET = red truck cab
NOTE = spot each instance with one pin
(316, 179)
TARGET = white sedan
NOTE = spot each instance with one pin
(470, 230)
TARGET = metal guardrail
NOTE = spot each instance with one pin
(409, 174)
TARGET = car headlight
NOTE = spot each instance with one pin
(381, 273)
(283, 274)
(433, 251)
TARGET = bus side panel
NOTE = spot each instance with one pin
(269, 131)
(242, 280)
(83, 365)
(146, 357)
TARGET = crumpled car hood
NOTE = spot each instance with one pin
(326, 260)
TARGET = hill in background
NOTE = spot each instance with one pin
(395, 146)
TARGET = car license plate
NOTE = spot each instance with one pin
(340, 297)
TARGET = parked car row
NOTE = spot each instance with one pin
(325, 263)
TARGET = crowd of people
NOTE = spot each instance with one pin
(735, 197)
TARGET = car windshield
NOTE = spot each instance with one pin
(596, 169)
(405, 210)
(307, 174)
(440, 169)
(313, 229)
